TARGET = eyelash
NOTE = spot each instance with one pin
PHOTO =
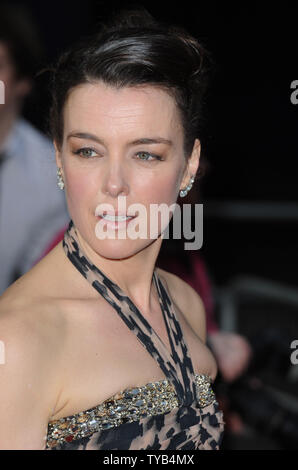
(79, 152)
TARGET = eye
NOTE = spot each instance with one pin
(144, 156)
(85, 152)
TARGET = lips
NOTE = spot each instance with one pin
(115, 220)
(113, 213)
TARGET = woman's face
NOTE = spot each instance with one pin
(127, 143)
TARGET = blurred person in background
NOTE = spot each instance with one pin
(32, 209)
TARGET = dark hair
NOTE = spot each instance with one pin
(134, 49)
(18, 31)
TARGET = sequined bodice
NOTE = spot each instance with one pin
(179, 412)
(126, 406)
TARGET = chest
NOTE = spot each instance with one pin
(103, 355)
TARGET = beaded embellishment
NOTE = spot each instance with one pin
(124, 407)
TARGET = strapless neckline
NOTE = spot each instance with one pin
(128, 405)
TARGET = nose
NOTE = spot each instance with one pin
(114, 183)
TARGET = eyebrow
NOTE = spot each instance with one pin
(144, 140)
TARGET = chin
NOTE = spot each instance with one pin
(120, 249)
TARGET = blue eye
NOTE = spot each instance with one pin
(82, 152)
(147, 154)
(86, 152)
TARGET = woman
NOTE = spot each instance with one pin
(103, 350)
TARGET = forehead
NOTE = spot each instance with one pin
(103, 108)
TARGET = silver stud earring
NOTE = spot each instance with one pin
(184, 192)
(60, 181)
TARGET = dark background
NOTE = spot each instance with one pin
(251, 140)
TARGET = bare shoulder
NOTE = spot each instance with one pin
(188, 301)
(31, 325)
(29, 338)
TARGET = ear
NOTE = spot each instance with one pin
(57, 155)
(192, 164)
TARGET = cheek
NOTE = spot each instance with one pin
(79, 187)
(155, 194)
(161, 188)
(83, 187)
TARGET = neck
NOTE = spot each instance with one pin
(134, 275)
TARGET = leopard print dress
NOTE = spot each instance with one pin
(177, 413)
